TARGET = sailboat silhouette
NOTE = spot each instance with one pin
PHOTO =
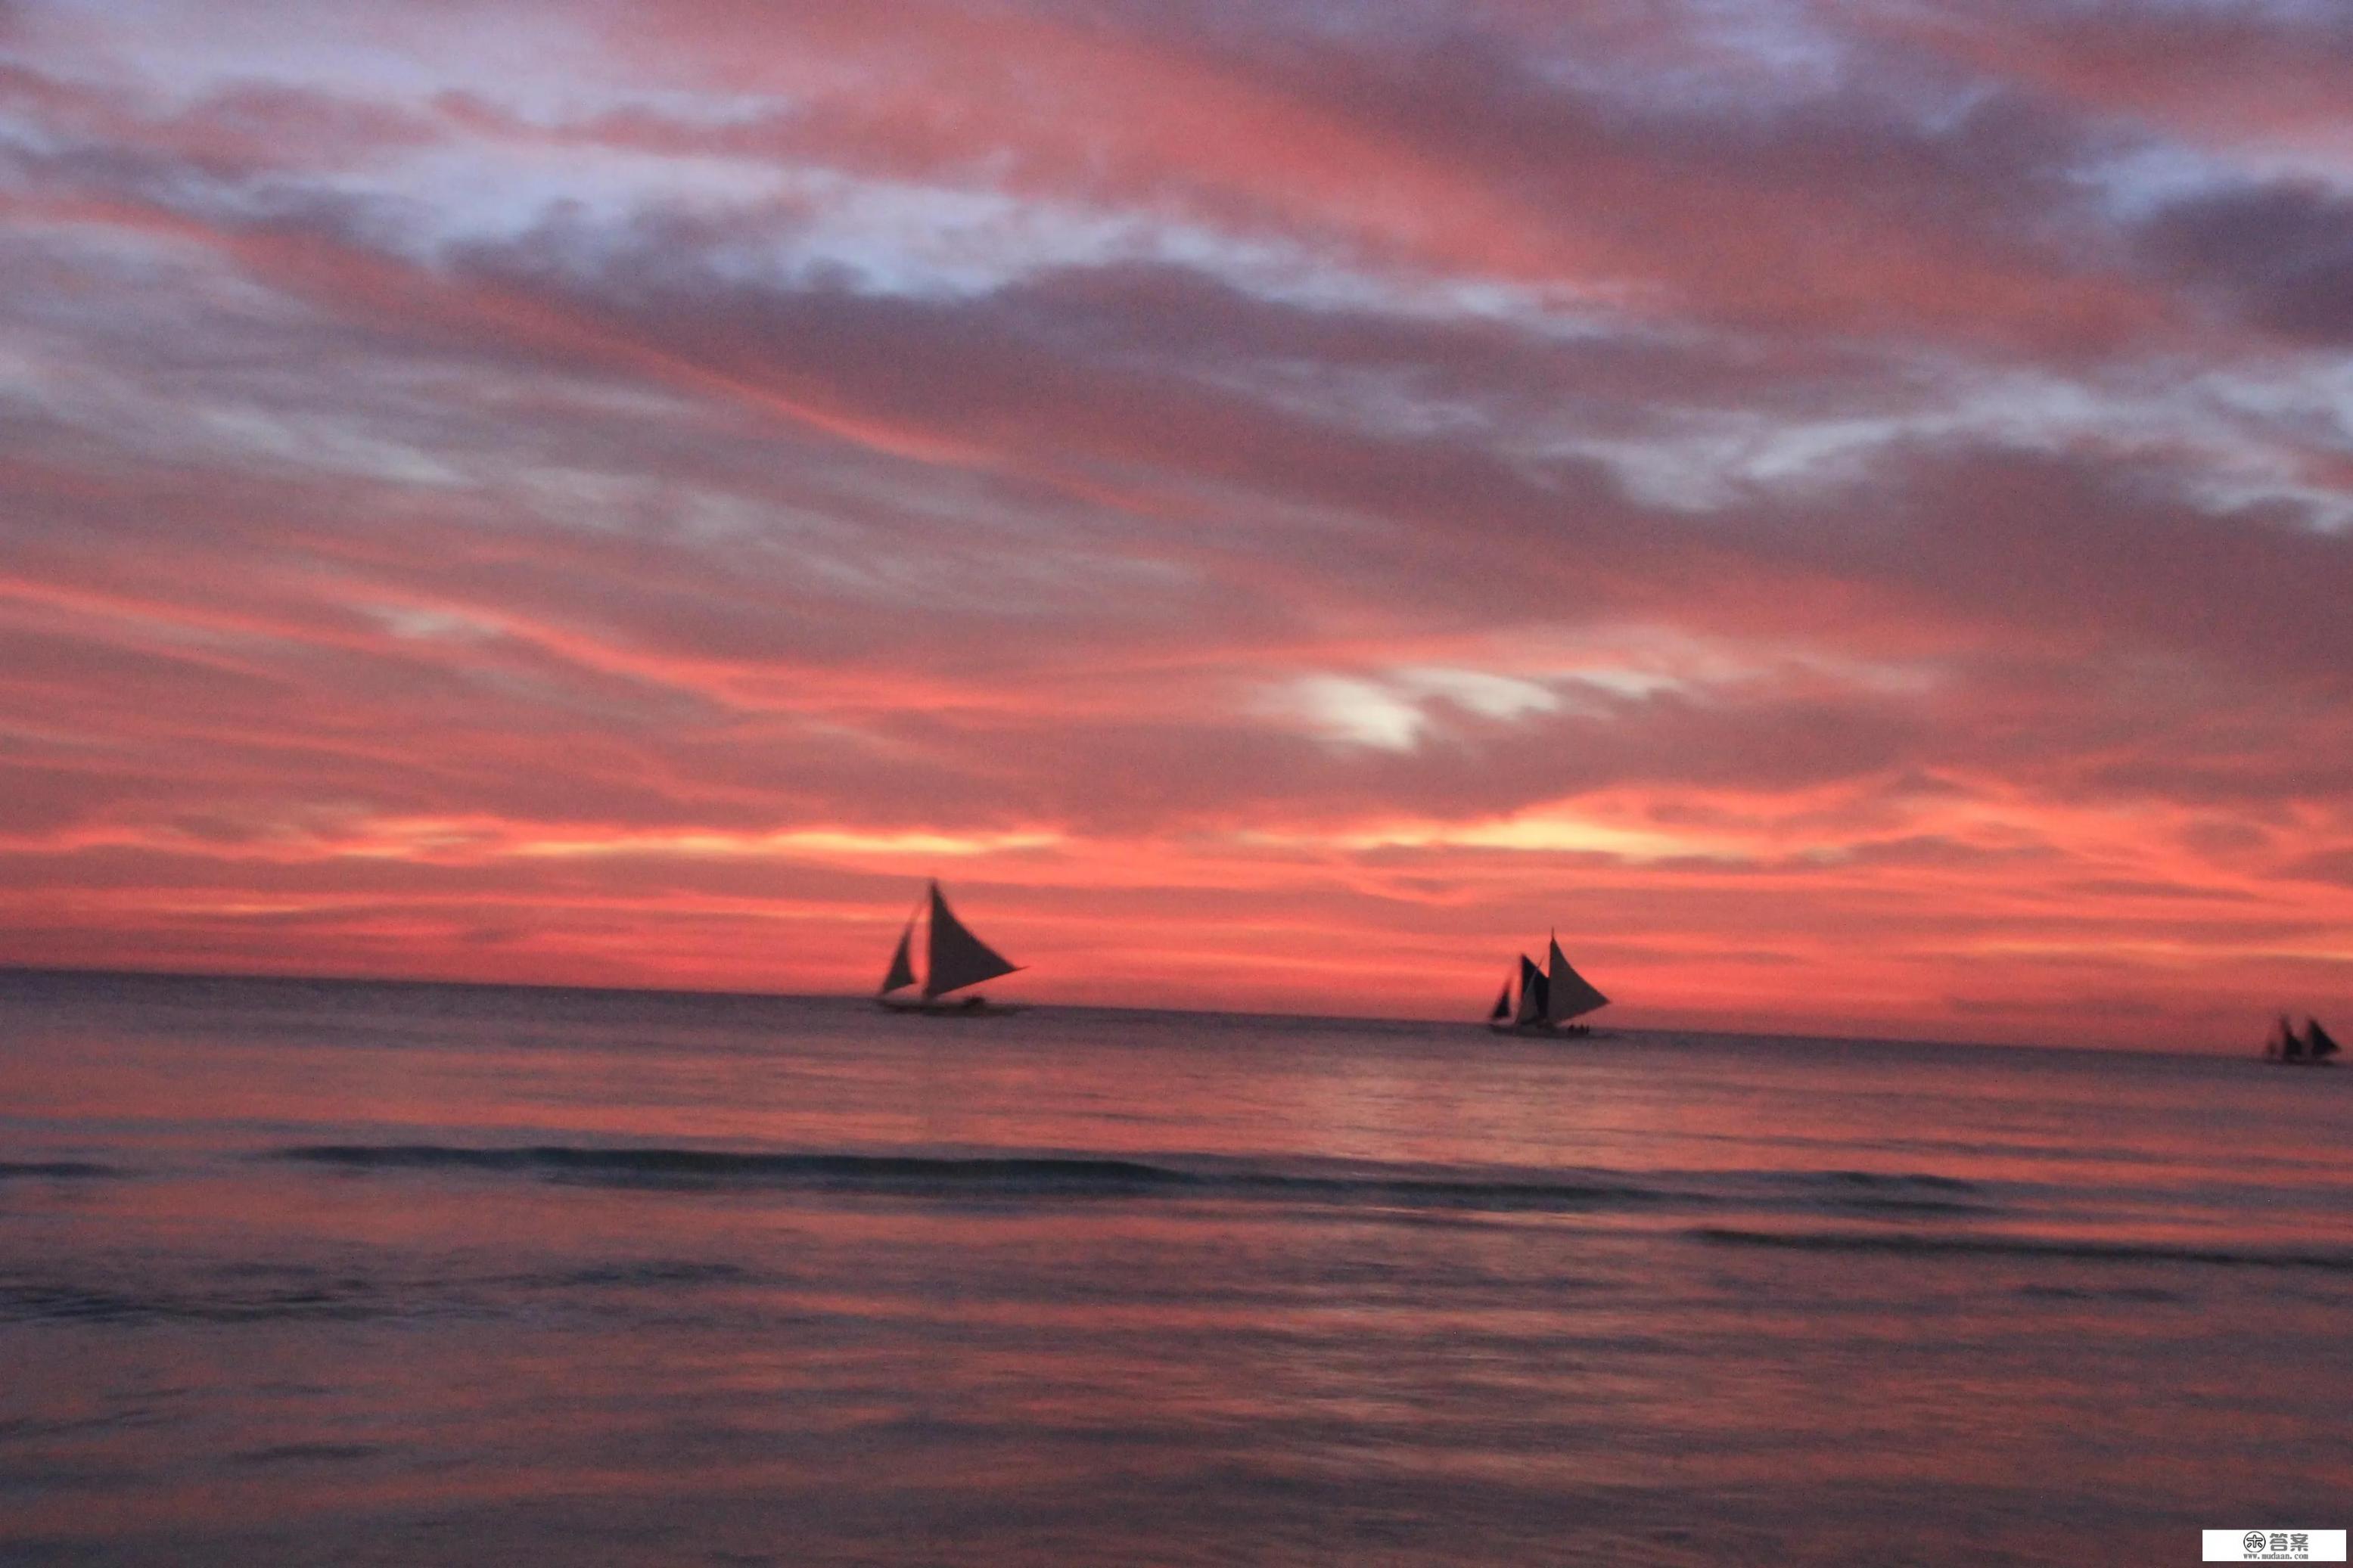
(953, 959)
(2314, 1048)
(1548, 997)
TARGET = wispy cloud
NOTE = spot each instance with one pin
(1848, 510)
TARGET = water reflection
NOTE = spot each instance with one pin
(1404, 1293)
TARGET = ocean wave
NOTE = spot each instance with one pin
(2136, 1294)
(1016, 1171)
(1413, 1192)
(651, 1273)
(243, 1293)
(1894, 1193)
(99, 1304)
(1877, 1180)
(980, 1175)
(64, 1169)
(1461, 1190)
(2020, 1247)
(306, 1453)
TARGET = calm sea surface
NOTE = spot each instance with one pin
(351, 1273)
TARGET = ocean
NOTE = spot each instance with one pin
(331, 1273)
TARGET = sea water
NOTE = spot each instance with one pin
(329, 1273)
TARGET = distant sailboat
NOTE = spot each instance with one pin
(2314, 1048)
(1548, 998)
(954, 959)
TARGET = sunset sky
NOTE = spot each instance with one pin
(1844, 509)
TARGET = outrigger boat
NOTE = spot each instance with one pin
(1547, 998)
(953, 959)
(2314, 1048)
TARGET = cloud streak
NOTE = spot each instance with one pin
(1848, 511)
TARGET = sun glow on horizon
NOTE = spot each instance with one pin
(1276, 511)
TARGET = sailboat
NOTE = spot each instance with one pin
(1547, 998)
(953, 959)
(2314, 1048)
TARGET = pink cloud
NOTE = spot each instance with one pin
(1280, 513)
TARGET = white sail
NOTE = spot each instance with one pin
(957, 957)
(1569, 995)
(902, 968)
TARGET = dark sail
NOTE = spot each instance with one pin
(903, 970)
(1534, 993)
(2317, 1043)
(1567, 994)
(958, 958)
(1549, 995)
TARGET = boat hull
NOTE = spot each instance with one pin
(969, 1008)
(1545, 1031)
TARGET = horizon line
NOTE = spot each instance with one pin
(9, 969)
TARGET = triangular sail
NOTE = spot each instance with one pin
(1569, 995)
(902, 968)
(1503, 1004)
(958, 958)
(2317, 1043)
(1532, 993)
